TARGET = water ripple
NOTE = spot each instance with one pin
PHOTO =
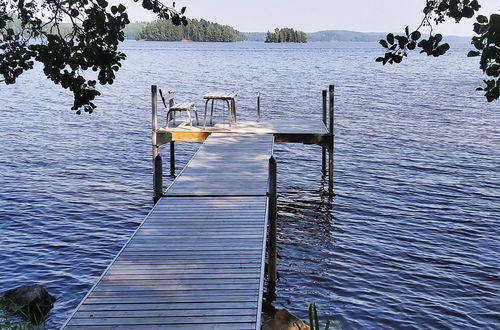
(409, 241)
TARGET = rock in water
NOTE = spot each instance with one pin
(31, 302)
(283, 320)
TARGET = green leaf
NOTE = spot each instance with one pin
(415, 35)
(311, 318)
(402, 41)
(102, 3)
(407, 31)
(383, 43)
(477, 43)
(482, 19)
(473, 53)
(467, 12)
(493, 70)
(397, 58)
(316, 319)
(390, 38)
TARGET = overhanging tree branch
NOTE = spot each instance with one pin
(487, 44)
(89, 46)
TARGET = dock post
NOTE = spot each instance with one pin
(158, 178)
(323, 148)
(331, 144)
(273, 214)
(157, 162)
(172, 158)
(258, 106)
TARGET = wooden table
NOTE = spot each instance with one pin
(229, 98)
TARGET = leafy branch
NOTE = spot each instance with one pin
(487, 44)
(91, 44)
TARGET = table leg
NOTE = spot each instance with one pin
(234, 109)
(229, 111)
(205, 120)
(212, 112)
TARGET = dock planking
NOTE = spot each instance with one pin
(227, 165)
(197, 259)
(290, 130)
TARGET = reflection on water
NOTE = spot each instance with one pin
(409, 241)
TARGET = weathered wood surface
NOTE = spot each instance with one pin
(290, 130)
(288, 126)
(228, 165)
(219, 95)
(194, 262)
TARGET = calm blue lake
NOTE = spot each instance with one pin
(411, 239)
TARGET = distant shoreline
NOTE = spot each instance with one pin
(320, 36)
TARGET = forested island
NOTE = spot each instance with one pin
(195, 30)
(286, 35)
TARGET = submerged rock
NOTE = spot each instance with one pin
(31, 302)
(283, 320)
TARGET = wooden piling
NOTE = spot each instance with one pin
(154, 119)
(323, 148)
(157, 162)
(331, 145)
(258, 106)
(158, 178)
(172, 158)
(273, 214)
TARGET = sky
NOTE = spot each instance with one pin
(313, 15)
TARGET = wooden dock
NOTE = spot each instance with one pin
(197, 260)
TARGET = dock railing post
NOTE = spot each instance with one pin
(157, 162)
(258, 106)
(158, 178)
(273, 214)
(172, 158)
(331, 144)
(323, 148)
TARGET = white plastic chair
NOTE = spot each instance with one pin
(167, 98)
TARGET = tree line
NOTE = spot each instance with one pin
(286, 35)
(202, 30)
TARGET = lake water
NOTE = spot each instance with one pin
(411, 239)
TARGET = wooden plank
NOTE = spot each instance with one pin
(179, 254)
(135, 271)
(289, 126)
(214, 295)
(210, 266)
(190, 258)
(161, 320)
(186, 247)
(165, 313)
(168, 306)
(228, 326)
(199, 276)
(177, 281)
(171, 297)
